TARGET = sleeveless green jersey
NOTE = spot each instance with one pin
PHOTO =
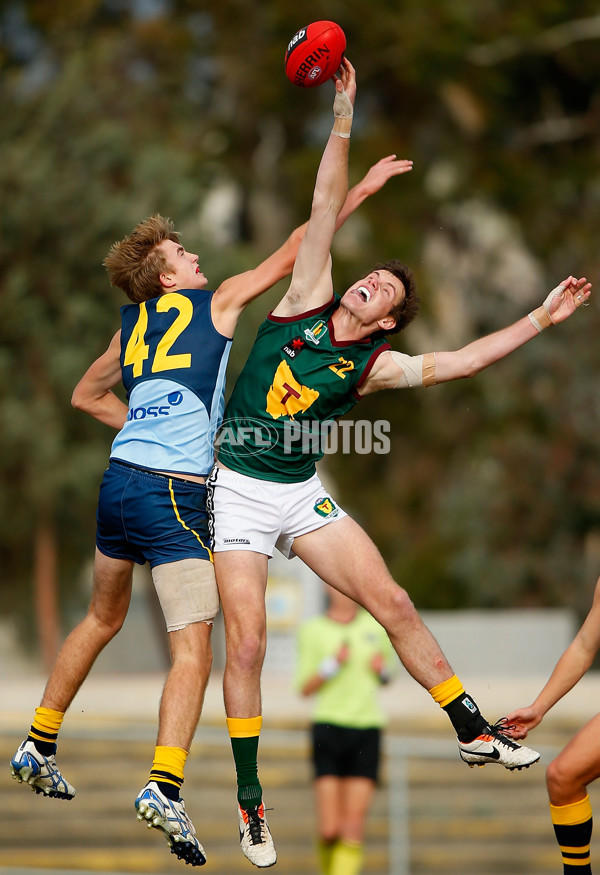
(297, 381)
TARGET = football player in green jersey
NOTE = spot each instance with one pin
(313, 358)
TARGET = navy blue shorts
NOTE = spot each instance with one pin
(147, 517)
(345, 752)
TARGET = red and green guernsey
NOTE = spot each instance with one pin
(297, 381)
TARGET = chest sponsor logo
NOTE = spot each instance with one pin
(287, 396)
(317, 332)
(293, 347)
(325, 507)
(155, 410)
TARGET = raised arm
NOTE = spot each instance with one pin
(570, 668)
(311, 283)
(93, 395)
(395, 370)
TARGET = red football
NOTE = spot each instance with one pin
(314, 53)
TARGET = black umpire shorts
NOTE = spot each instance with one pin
(345, 752)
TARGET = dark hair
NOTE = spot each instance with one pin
(407, 308)
(134, 264)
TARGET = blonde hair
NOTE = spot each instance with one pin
(134, 263)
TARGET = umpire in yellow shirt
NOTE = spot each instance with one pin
(344, 656)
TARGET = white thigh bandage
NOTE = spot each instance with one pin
(187, 591)
(418, 370)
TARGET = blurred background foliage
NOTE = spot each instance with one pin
(115, 109)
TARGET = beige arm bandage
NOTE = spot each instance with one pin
(343, 112)
(417, 370)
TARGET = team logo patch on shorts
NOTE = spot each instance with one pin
(326, 507)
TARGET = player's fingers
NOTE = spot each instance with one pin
(581, 294)
(400, 167)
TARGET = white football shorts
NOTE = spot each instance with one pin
(259, 515)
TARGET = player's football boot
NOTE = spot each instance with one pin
(256, 841)
(493, 746)
(172, 819)
(29, 766)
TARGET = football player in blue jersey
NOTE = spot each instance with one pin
(171, 355)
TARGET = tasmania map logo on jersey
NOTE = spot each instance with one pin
(287, 396)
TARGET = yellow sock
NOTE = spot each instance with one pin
(244, 727)
(324, 853)
(168, 765)
(573, 830)
(346, 858)
(447, 691)
(46, 725)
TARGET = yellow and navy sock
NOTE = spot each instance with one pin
(347, 858)
(44, 730)
(464, 714)
(573, 831)
(244, 734)
(167, 770)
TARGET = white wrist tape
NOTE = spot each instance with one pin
(328, 668)
(541, 318)
(343, 112)
(418, 370)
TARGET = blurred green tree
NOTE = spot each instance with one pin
(114, 109)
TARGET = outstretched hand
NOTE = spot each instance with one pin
(377, 175)
(567, 297)
(345, 80)
(521, 721)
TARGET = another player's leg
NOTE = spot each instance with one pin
(241, 577)
(357, 795)
(344, 556)
(34, 762)
(188, 596)
(328, 800)
(567, 778)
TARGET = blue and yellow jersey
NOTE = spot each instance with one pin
(173, 362)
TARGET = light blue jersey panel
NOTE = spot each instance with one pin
(167, 429)
(173, 363)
